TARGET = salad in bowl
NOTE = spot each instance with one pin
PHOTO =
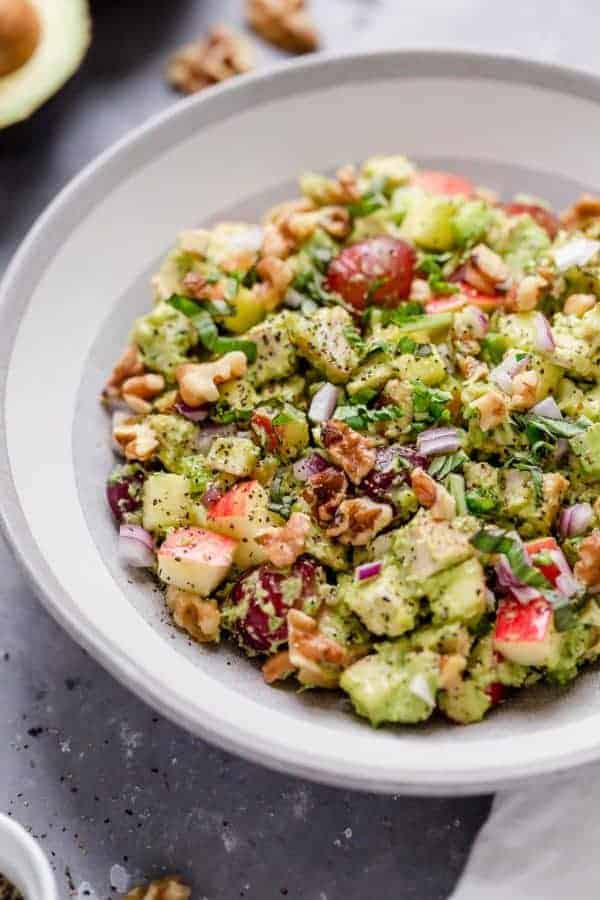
(361, 440)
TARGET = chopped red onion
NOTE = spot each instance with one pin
(547, 407)
(136, 547)
(567, 584)
(438, 440)
(323, 403)
(575, 520)
(577, 252)
(420, 687)
(194, 414)
(504, 373)
(211, 495)
(308, 466)
(206, 436)
(543, 334)
(507, 579)
(368, 570)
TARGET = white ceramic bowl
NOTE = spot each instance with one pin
(82, 275)
(23, 862)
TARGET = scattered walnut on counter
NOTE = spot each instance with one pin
(220, 55)
(169, 888)
(284, 23)
(354, 452)
(358, 521)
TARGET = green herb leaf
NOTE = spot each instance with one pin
(225, 415)
(480, 502)
(226, 345)
(429, 405)
(399, 315)
(535, 425)
(491, 542)
(185, 305)
(442, 466)
(432, 266)
(360, 417)
(370, 202)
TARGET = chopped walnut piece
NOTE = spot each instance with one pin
(325, 491)
(584, 211)
(220, 55)
(284, 545)
(354, 452)
(200, 618)
(169, 888)
(277, 275)
(486, 271)
(138, 390)
(525, 295)
(432, 496)
(471, 368)
(129, 363)
(136, 439)
(198, 287)
(277, 214)
(525, 385)
(587, 567)
(285, 23)
(579, 304)
(357, 521)
(493, 410)
(275, 244)
(335, 220)
(278, 667)
(198, 381)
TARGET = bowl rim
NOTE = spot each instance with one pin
(23, 861)
(224, 731)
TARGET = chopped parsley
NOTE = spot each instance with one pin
(432, 266)
(430, 405)
(360, 417)
(442, 466)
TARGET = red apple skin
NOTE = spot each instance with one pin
(524, 632)
(551, 571)
(543, 217)
(445, 183)
(235, 502)
(196, 543)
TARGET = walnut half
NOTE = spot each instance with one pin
(220, 55)
(169, 888)
(284, 23)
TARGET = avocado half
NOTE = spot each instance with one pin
(42, 43)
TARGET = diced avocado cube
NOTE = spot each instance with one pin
(237, 394)
(166, 501)
(430, 223)
(471, 221)
(425, 547)
(457, 593)
(386, 604)
(292, 390)
(523, 245)
(429, 370)
(322, 340)
(371, 377)
(276, 356)
(176, 437)
(393, 170)
(465, 703)
(391, 687)
(519, 329)
(164, 336)
(317, 544)
(198, 474)
(248, 310)
(586, 447)
(233, 455)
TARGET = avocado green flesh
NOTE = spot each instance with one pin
(65, 37)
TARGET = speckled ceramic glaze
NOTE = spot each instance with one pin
(82, 275)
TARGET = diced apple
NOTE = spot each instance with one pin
(195, 560)
(242, 513)
(525, 634)
(166, 501)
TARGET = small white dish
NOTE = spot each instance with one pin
(67, 302)
(24, 863)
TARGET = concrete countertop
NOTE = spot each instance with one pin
(114, 792)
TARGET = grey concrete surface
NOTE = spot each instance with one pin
(114, 792)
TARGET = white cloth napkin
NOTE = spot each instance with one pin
(542, 843)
